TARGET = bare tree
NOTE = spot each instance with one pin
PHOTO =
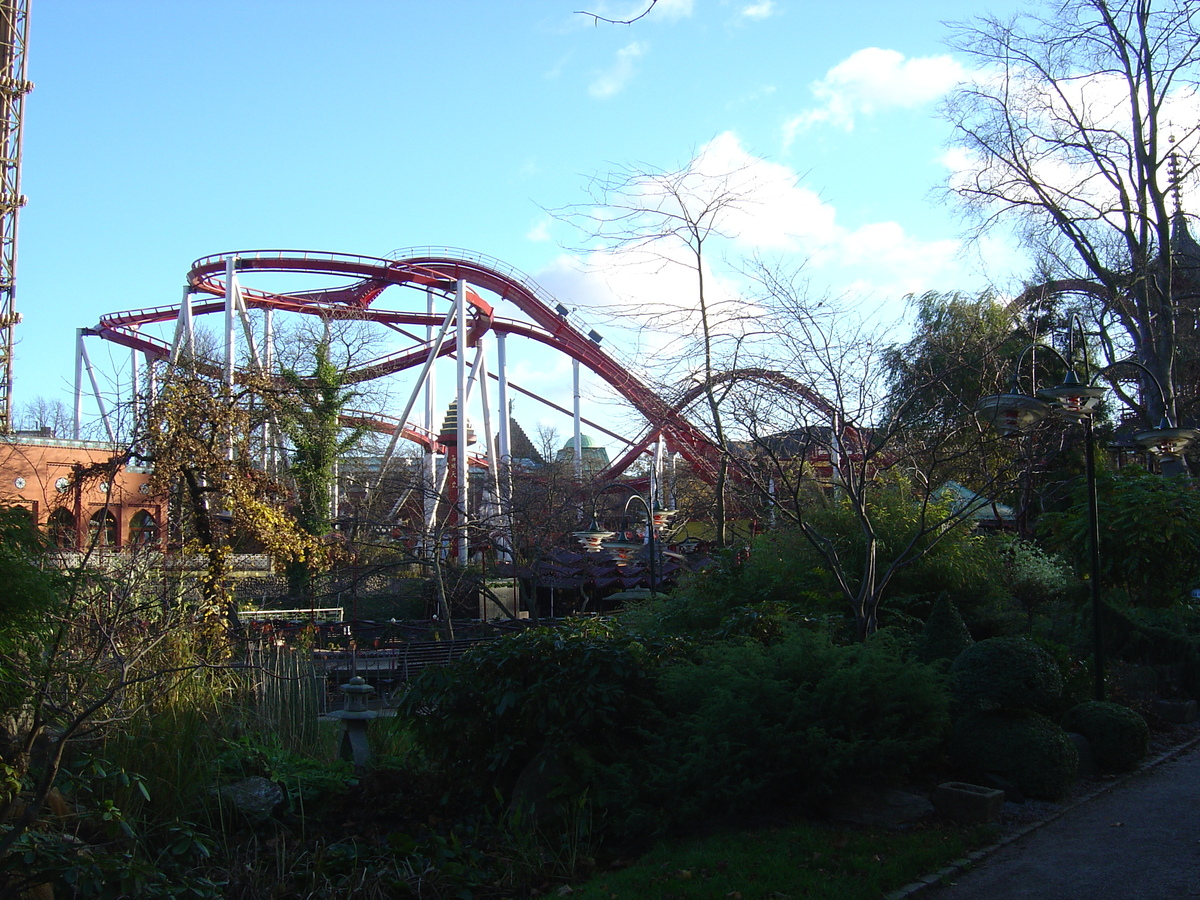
(824, 436)
(50, 417)
(662, 220)
(1071, 127)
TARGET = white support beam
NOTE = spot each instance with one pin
(576, 417)
(412, 399)
(185, 330)
(460, 457)
(91, 373)
(230, 317)
(78, 425)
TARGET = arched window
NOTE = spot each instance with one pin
(102, 529)
(143, 530)
(61, 528)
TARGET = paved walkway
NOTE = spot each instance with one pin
(1140, 840)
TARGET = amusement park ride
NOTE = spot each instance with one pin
(436, 308)
(432, 304)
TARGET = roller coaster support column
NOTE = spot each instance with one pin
(135, 377)
(460, 460)
(505, 468)
(230, 312)
(270, 463)
(489, 436)
(656, 496)
(578, 444)
(426, 372)
(430, 458)
(185, 332)
(82, 362)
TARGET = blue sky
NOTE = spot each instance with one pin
(161, 131)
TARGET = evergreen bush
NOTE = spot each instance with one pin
(1006, 673)
(1118, 735)
(945, 634)
(746, 726)
(566, 690)
(1017, 745)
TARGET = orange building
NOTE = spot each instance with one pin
(81, 493)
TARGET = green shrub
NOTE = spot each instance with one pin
(1033, 577)
(945, 634)
(745, 726)
(1018, 745)
(561, 690)
(1150, 542)
(1004, 673)
(1174, 654)
(1118, 735)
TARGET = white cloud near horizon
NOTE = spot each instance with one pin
(873, 80)
(620, 73)
(777, 217)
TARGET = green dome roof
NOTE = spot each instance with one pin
(585, 440)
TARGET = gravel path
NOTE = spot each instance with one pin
(1140, 840)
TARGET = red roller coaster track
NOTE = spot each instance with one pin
(434, 270)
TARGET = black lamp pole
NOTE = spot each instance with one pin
(1094, 552)
(1015, 413)
(649, 534)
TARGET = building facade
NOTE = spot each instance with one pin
(81, 493)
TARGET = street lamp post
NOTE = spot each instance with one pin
(1014, 413)
(594, 536)
(649, 535)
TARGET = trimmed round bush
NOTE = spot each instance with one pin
(1006, 673)
(1118, 735)
(1018, 745)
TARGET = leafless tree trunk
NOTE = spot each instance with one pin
(1070, 128)
(823, 431)
(663, 221)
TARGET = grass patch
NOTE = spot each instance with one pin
(806, 860)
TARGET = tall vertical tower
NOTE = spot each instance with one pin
(14, 33)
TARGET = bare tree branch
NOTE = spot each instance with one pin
(597, 18)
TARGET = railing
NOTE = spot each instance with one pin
(322, 614)
(399, 664)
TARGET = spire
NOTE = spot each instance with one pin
(1176, 187)
(449, 430)
(1185, 251)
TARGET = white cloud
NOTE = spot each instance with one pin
(673, 9)
(1101, 103)
(614, 80)
(540, 232)
(758, 11)
(775, 216)
(872, 80)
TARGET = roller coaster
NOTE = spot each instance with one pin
(433, 304)
(214, 286)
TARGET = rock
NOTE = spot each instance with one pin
(881, 808)
(1180, 712)
(969, 804)
(255, 797)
